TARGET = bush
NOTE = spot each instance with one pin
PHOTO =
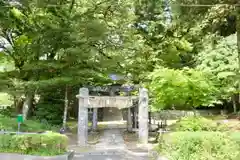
(10, 124)
(34, 144)
(200, 146)
(196, 123)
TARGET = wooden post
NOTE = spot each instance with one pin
(83, 117)
(95, 119)
(143, 115)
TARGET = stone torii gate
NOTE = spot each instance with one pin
(86, 101)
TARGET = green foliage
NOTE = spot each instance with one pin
(8, 111)
(5, 99)
(188, 88)
(222, 61)
(80, 42)
(200, 146)
(51, 113)
(51, 105)
(196, 123)
(34, 144)
(10, 124)
(49, 49)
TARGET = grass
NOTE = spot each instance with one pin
(10, 124)
(73, 125)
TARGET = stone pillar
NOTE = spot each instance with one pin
(143, 115)
(129, 120)
(136, 117)
(129, 115)
(83, 117)
(150, 120)
(95, 119)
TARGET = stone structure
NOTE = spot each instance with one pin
(13, 156)
(86, 101)
(83, 116)
(176, 114)
(110, 101)
(95, 119)
(143, 115)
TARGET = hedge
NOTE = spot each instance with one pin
(200, 146)
(45, 144)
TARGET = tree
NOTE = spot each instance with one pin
(156, 42)
(222, 61)
(63, 42)
(187, 88)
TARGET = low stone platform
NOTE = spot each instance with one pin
(13, 156)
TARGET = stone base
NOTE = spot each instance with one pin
(13, 156)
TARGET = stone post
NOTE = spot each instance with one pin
(95, 119)
(143, 115)
(83, 117)
(129, 120)
(129, 115)
(136, 117)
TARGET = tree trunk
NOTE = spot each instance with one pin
(18, 104)
(234, 104)
(27, 105)
(65, 108)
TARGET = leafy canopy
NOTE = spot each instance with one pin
(185, 88)
(221, 60)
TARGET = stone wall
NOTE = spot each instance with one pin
(174, 114)
(9, 156)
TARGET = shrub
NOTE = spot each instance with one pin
(10, 124)
(34, 144)
(199, 146)
(196, 123)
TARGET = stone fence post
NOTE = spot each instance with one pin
(143, 115)
(83, 116)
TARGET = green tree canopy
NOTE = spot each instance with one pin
(187, 88)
